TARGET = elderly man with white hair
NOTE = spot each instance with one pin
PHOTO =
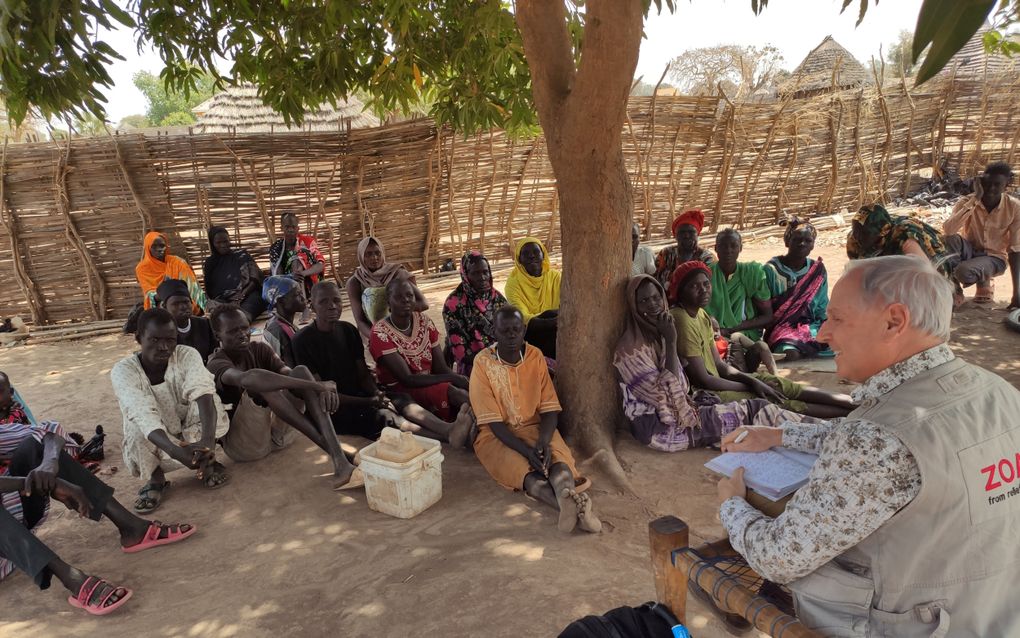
(908, 523)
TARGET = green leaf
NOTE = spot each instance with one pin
(951, 33)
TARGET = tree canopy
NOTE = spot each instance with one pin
(464, 58)
(739, 70)
(168, 108)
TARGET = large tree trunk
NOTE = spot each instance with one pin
(582, 110)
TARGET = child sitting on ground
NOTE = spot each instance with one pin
(744, 353)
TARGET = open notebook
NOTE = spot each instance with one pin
(774, 474)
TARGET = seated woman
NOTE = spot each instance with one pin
(366, 289)
(800, 295)
(689, 292)
(172, 415)
(534, 288)
(740, 297)
(685, 229)
(517, 410)
(656, 397)
(296, 255)
(470, 311)
(405, 345)
(231, 276)
(876, 233)
(158, 265)
(285, 298)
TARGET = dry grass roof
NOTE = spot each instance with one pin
(815, 73)
(970, 61)
(240, 109)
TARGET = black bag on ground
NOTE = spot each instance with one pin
(650, 620)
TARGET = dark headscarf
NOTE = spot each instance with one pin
(223, 273)
(469, 314)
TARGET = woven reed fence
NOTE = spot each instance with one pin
(73, 213)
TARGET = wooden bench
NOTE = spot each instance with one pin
(730, 583)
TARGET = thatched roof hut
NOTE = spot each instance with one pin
(972, 60)
(240, 109)
(828, 67)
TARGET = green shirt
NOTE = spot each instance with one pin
(695, 337)
(733, 297)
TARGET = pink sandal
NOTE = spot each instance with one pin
(99, 607)
(152, 539)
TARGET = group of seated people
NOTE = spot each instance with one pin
(200, 382)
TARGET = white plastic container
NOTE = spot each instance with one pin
(404, 489)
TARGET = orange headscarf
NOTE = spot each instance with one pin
(151, 272)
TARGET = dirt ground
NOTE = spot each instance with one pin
(279, 554)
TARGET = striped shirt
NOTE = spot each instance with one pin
(11, 436)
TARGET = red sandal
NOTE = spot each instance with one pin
(152, 539)
(99, 607)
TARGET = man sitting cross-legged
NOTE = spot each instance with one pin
(517, 411)
(172, 415)
(258, 384)
(34, 467)
(333, 351)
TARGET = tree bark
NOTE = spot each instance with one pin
(582, 109)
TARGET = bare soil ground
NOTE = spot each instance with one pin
(279, 554)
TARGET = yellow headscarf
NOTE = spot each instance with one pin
(533, 295)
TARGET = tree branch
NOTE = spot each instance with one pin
(548, 49)
(612, 40)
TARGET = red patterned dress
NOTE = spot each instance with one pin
(416, 351)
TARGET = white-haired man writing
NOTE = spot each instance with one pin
(908, 523)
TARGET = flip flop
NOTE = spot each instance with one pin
(152, 539)
(356, 481)
(984, 294)
(99, 607)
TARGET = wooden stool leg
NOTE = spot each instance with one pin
(664, 535)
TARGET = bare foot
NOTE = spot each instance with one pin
(568, 511)
(342, 474)
(586, 518)
(356, 480)
(461, 427)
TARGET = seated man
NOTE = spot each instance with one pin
(333, 351)
(518, 410)
(259, 385)
(690, 291)
(642, 257)
(285, 297)
(172, 415)
(983, 235)
(35, 468)
(905, 527)
(191, 331)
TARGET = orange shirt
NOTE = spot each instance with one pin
(996, 232)
(516, 395)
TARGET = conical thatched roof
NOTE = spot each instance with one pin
(814, 75)
(970, 61)
(239, 109)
